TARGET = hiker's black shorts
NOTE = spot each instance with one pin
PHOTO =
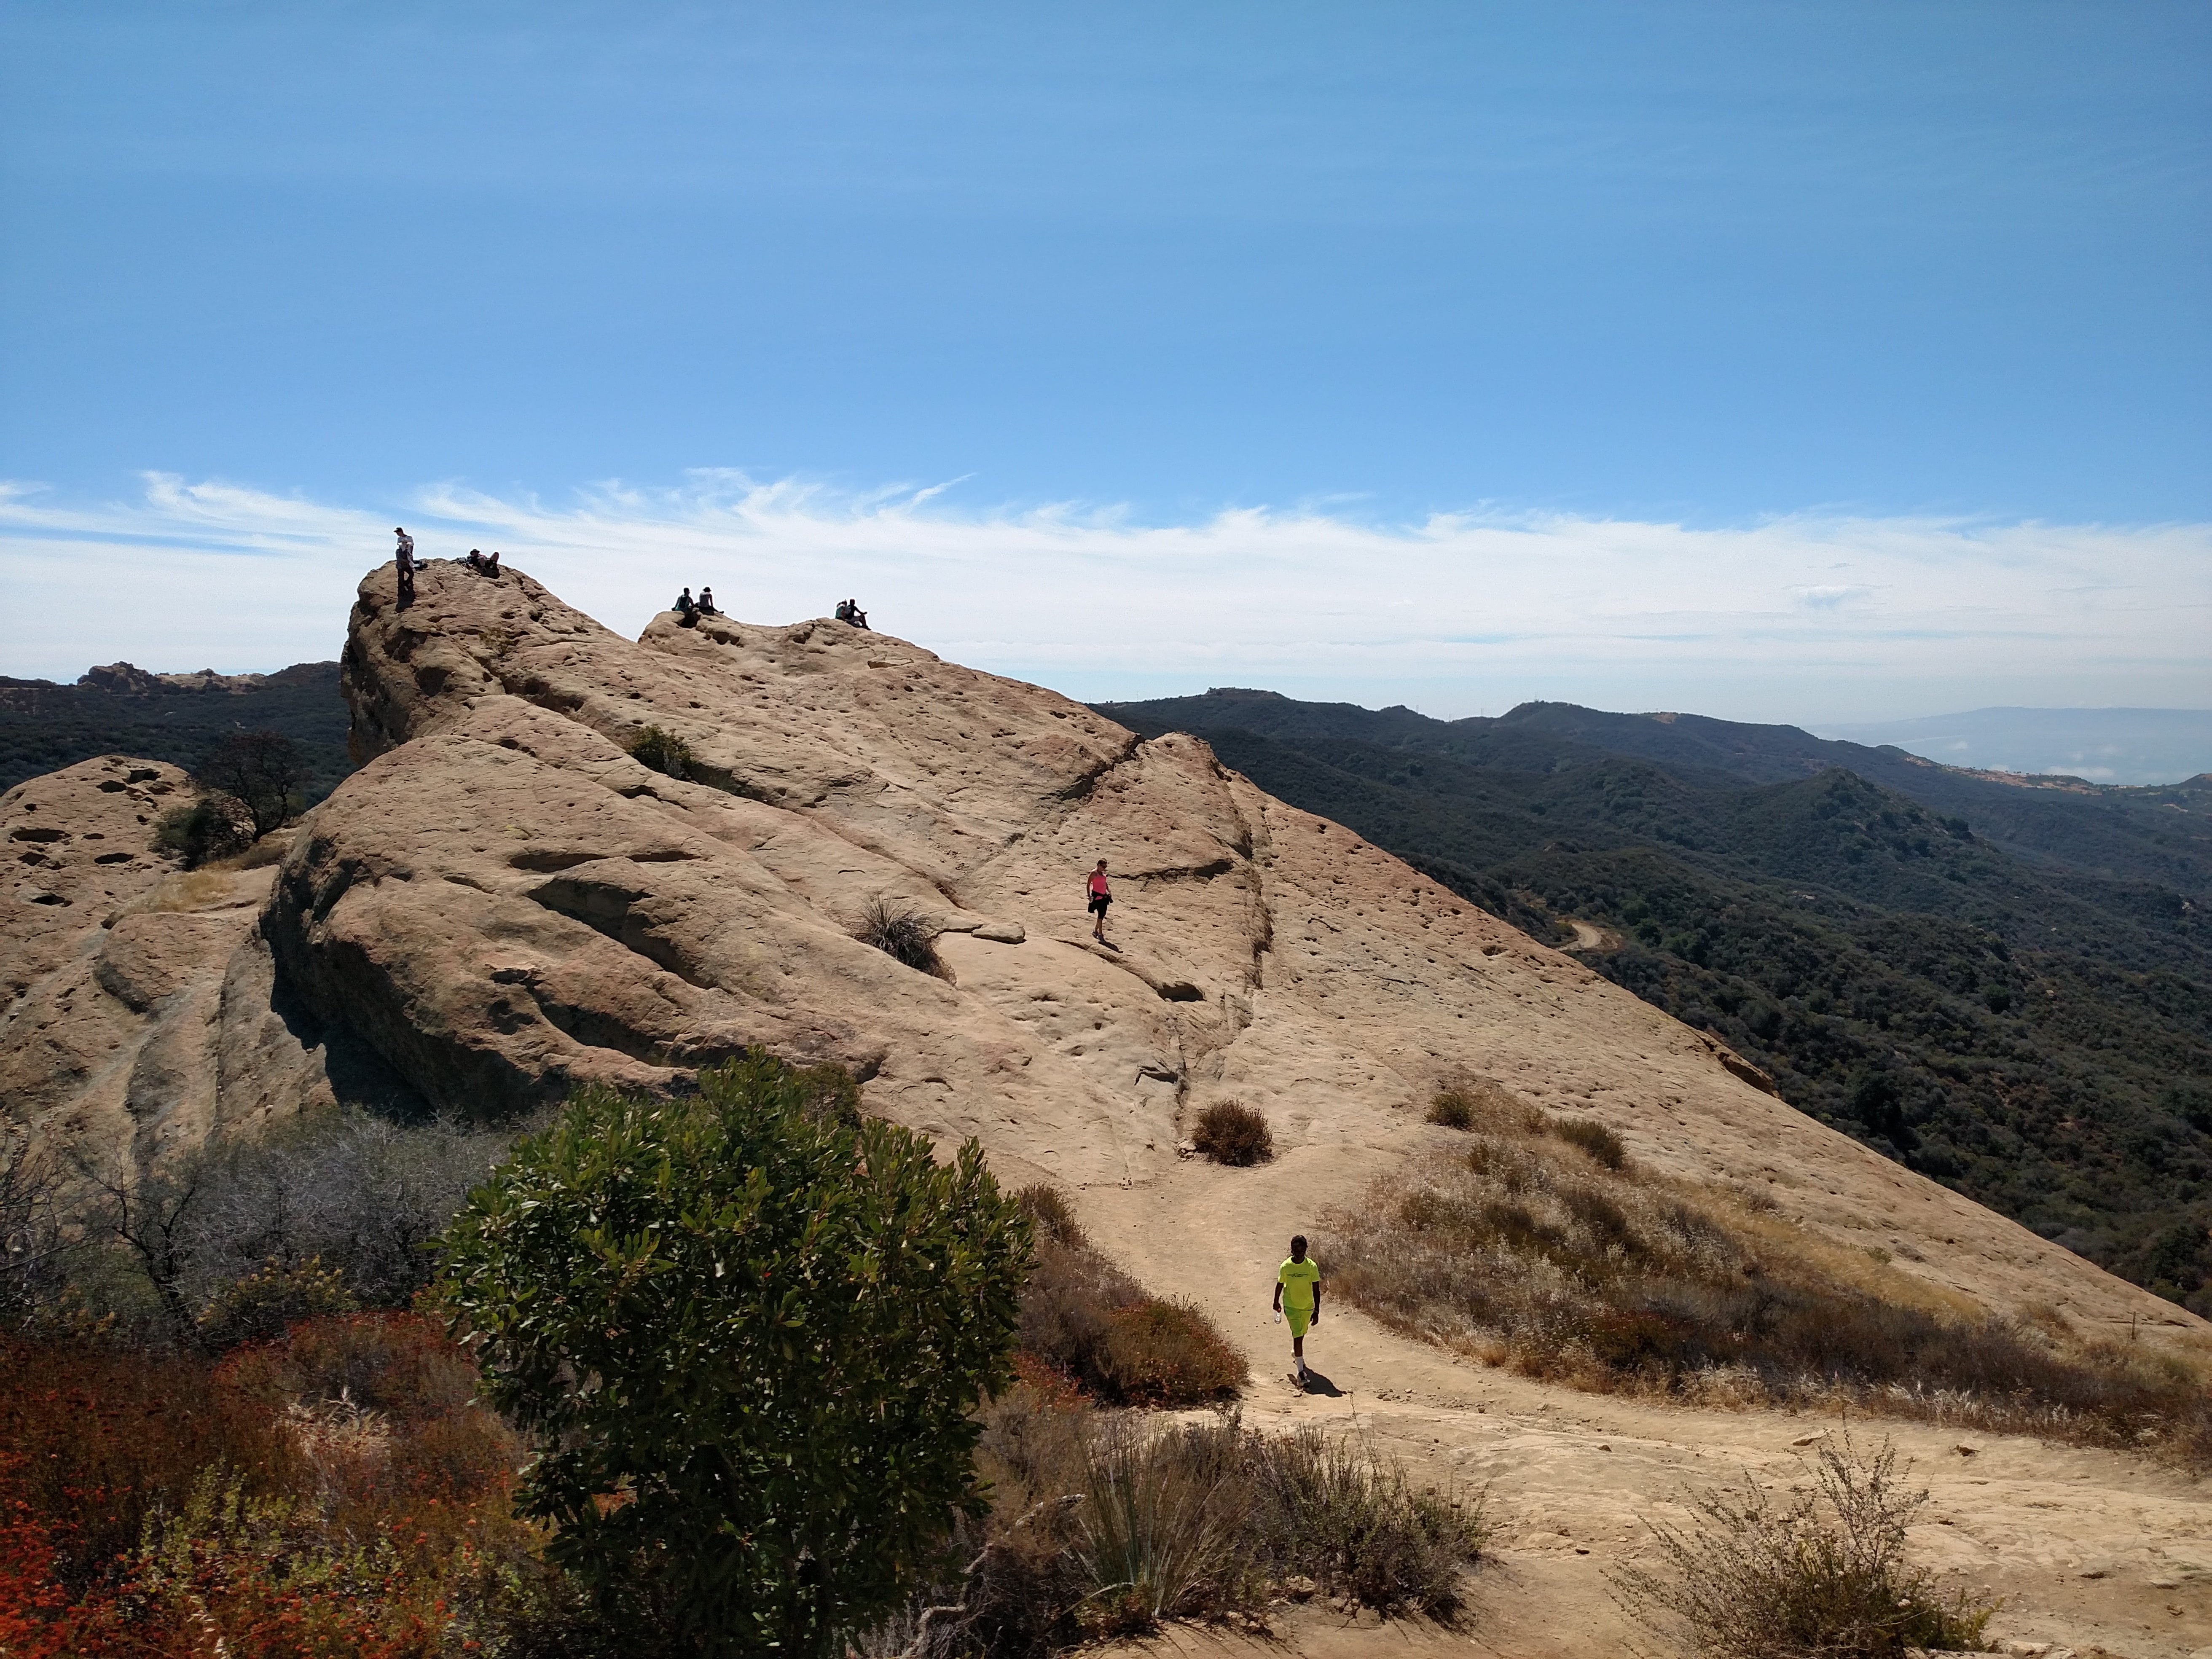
(1099, 901)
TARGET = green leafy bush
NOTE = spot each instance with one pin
(664, 751)
(211, 828)
(1229, 1132)
(751, 1337)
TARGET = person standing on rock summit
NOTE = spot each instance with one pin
(1101, 895)
(1298, 1294)
(406, 559)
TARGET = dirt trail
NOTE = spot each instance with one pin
(1589, 936)
(2088, 1549)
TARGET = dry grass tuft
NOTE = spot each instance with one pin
(1464, 1100)
(1229, 1132)
(902, 935)
(1105, 1523)
(1825, 1573)
(1084, 1319)
(1568, 1268)
(1593, 1139)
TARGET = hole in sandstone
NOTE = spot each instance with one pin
(49, 898)
(112, 858)
(546, 860)
(1180, 992)
(36, 832)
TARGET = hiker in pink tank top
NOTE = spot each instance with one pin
(1101, 896)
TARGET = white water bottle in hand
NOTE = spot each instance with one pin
(1279, 1315)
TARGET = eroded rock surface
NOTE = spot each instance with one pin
(141, 1011)
(503, 903)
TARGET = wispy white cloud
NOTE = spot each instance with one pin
(1784, 619)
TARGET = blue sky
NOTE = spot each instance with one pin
(1706, 267)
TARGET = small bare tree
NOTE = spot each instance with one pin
(263, 771)
(31, 1238)
(153, 1219)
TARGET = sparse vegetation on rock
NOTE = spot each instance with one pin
(1229, 1132)
(900, 934)
(1822, 1571)
(664, 751)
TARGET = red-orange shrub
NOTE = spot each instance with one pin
(336, 1491)
(104, 1437)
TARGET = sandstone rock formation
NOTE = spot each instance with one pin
(139, 1013)
(503, 902)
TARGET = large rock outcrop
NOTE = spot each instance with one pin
(502, 903)
(139, 1009)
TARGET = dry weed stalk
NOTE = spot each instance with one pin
(1822, 1574)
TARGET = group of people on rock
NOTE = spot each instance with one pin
(691, 610)
(482, 564)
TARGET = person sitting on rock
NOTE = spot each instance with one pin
(688, 605)
(491, 565)
(854, 615)
(844, 611)
(475, 560)
(707, 603)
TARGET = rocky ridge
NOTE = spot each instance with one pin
(502, 903)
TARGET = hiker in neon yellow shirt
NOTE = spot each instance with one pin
(1297, 1293)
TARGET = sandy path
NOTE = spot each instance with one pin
(2090, 1549)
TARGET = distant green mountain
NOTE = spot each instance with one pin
(2007, 986)
(177, 717)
